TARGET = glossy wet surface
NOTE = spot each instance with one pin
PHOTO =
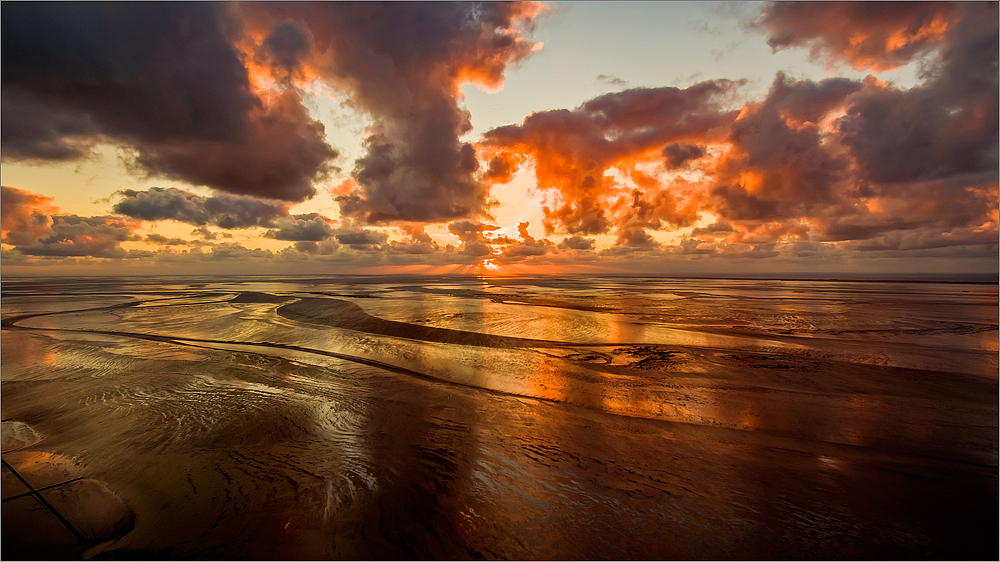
(527, 418)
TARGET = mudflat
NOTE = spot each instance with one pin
(530, 418)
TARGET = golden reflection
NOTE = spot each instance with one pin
(548, 382)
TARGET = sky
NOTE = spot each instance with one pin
(647, 138)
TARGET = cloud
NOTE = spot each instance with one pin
(611, 80)
(224, 211)
(577, 242)
(361, 238)
(73, 235)
(573, 152)
(779, 164)
(986, 239)
(323, 248)
(691, 246)
(636, 238)
(527, 247)
(234, 251)
(867, 35)
(467, 230)
(718, 227)
(404, 64)
(679, 153)
(471, 233)
(943, 128)
(501, 167)
(33, 226)
(165, 241)
(163, 78)
(287, 46)
(25, 216)
(311, 227)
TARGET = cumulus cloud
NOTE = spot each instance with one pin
(471, 234)
(224, 211)
(417, 241)
(573, 152)
(310, 227)
(636, 238)
(26, 216)
(526, 247)
(677, 154)
(577, 242)
(875, 35)
(403, 64)
(33, 226)
(945, 127)
(73, 235)
(813, 165)
(693, 246)
(779, 164)
(361, 238)
(166, 79)
(815, 170)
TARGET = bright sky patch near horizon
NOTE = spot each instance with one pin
(639, 137)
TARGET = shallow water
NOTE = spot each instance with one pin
(519, 418)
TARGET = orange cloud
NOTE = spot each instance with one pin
(25, 216)
(32, 227)
(867, 35)
(575, 154)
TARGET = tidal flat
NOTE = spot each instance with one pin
(508, 418)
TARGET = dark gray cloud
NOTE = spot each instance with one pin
(839, 231)
(224, 211)
(287, 45)
(473, 241)
(163, 78)
(677, 154)
(311, 227)
(927, 239)
(468, 230)
(718, 227)
(165, 241)
(403, 63)
(324, 248)
(945, 127)
(360, 238)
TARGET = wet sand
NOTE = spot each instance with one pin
(533, 419)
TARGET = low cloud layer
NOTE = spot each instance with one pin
(224, 211)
